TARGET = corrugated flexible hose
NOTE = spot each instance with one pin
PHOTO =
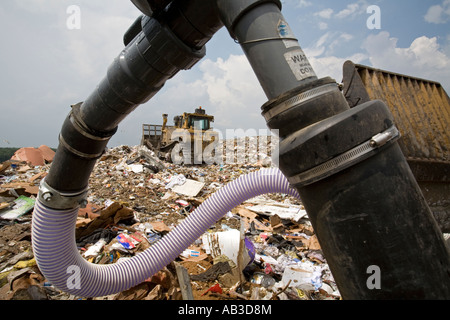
(54, 245)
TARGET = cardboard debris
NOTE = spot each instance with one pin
(47, 153)
(4, 166)
(34, 156)
(27, 187)
(160, 226)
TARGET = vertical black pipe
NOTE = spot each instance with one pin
(374, 226)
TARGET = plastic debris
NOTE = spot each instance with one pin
(215, 288)
(21, 206)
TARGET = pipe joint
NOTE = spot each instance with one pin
(167, 48)
(346, 159)
(57, 200)
(232, 11)
(304, 105)
(76, 116)
(194, 22)
(331, 138)
(80, 140)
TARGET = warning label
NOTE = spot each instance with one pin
(299, 64)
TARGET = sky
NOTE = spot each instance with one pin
(55, 53)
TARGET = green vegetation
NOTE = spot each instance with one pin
(7, 153)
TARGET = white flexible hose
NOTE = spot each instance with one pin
(54, 245)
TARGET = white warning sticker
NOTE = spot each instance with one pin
(299, 64)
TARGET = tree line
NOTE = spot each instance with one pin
(7, 153)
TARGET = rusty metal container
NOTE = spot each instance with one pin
(421, 109)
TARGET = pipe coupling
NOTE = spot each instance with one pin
(57, 200)
(331, 145)
(347, 159)
(79, 139)
(164, 50)
(231, 11)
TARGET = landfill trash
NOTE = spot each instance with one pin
(283, 211)
(21, 206)
(178, 179)
(95, 249)
(189, 188)
(228, 243)
(215, 288)
(263, 279)
(135, 199)
(295, 275)
(126, 241)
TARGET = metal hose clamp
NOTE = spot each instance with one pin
(300, 98)
(61, 200)
(345, 160)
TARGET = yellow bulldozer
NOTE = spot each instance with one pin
(184, 142)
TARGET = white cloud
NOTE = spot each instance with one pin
(234, 92)
(325, 14)
(297, 3)
(328, 42)
(99, 25)
(38, 6)
(65, 65)
(331, 66)
(323, 26)
(439, 13)
(353, 9)
(424, 58)
(321, 57)
(89, 58)
(304, 3)
(350, 11)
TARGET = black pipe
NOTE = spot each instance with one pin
(133, 31)
(148, 7)
(150, 58)
(194, 22)
(363, 201)
(366, 207)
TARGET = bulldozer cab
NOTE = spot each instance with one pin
(198, 123)
(198, 120)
